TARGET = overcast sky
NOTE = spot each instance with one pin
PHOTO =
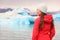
(53, 5)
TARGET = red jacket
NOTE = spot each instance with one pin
(46, 33)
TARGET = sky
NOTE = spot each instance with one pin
(53, 5)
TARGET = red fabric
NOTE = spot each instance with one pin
(46, 33)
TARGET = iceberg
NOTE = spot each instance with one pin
(56, 17)
(18, 18)
(25, 15)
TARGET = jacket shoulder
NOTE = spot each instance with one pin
(48, 16)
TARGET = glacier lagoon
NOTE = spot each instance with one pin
(21, 28)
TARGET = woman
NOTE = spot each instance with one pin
(43, 26)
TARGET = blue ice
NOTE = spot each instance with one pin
(56, 17)
(24, 20)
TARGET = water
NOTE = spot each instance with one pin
(11, 29)
(57, 29)
(19, 29)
